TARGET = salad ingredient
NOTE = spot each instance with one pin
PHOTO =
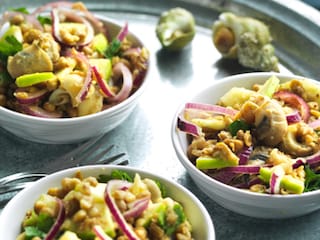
(175, 28)
(61, 49)
(268, 145)
(117, 208)
(246, 39)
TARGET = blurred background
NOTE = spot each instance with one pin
(314, 3)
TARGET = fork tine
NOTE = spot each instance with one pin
(80, 148)
(92, 150)
(112, 158)
(13, 187)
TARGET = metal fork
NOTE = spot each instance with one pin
(87, 151)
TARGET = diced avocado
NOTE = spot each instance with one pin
(104, 67)
(100, 43)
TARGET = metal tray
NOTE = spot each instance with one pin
(145, 135)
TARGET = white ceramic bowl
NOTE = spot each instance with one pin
(14, 212)
(69, 130)
(237, 200)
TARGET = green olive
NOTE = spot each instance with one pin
(175, 28)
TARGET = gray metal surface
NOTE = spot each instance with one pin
(145, 135)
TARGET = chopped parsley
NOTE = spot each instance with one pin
(312, 181)
(44, 20)
(9, 47)
(115, 174)
(237, 125)
(113, 49)
(20, 9)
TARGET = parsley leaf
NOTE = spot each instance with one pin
(237, 125)
(9, 47)
(113, 49)
(31, 232)
(115, 174)
(44, 20)
(312, 181)
(21, 10)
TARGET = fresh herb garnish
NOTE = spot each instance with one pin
(8, 47)
(115, 174)
(237, 125)
(32, 232)
(312, 180)
(44, 20)
(113, 49)
(20, 9)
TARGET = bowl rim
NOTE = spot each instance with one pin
(180, 153)
(100, 167)
(116, 108)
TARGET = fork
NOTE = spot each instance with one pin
(86, 151)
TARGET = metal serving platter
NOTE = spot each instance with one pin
(145, 135)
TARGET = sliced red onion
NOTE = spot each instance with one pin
(97, 229)
(293, 117)
(244, 155)
(275, 180)
(313, 159)
(51, 5)
(123, 32)
(76, 18)
(127, 82)
(32, 97)
(88, 76)
(113, 185)
(37, 111)
(243, 169)
(223, 176)
(137, 208)
(102, 83)
(315, 124)
(212, 108)
(294, 101)
(188, 127)
(298, 162)
(59, 221)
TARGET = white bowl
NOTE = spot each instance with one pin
(237, 200)
(70, 130)
(14, 212)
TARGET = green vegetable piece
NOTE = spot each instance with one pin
(20, 9)
(270, 86)
(44, 20)
(214, 163)
(10, 43)
(27, 80)
(175, 28)
(237, 125)
(104, 67)
(289, 183)
(113, 49)
(31, 232)
(100, 43)
(312, 181)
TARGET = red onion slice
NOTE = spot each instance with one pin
(102, 83)
(275, 180)
(127, 82)
(76, 18)
(244, 155)
(97, 229)
(212, 108)
(31, 97)
(293, 117)
(313, 159)
(113, 185)
(123, 32)
(188, 127)
(37, 111)
(315, 124)
(137, 208)
(243, 169)
(59, 221)
(294, 101)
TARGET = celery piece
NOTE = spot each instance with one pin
(270, 86)
(27, 80)
(213, 163)
(289, 183)
(104, 67)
